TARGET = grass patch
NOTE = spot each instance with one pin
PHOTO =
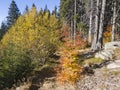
(115, 72)
(93, 61)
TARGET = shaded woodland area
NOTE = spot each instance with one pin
(59, 40)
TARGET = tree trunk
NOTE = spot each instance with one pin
(71, 32)
(101, 26)
(74, 20)
(90, 23)
(94, 43)
(113, 23)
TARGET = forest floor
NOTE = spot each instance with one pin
(99, 78)
(102, 79)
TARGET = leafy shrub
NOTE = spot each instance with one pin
(69, 70)
(28, 44)
(15, 64)
(40, 40)
(107, 34)
(80, 43)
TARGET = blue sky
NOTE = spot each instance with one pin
(4, 5)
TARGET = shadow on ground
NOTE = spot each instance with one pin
(40, 76)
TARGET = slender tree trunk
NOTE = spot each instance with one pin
(71, 32)
(94, 43)
(113, 23)
(101, 26)
(74, 20)
(90, 23)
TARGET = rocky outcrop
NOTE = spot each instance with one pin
(23, 87)
(114, 65)
(105, 54)
(112, 45)
(108, 52)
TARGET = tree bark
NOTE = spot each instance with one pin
(71, 32)
(74, 20)
(101, 26)
(94, 43)
(90, 23)
(113, 23)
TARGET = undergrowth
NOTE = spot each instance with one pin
(69, 71)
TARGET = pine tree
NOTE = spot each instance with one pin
(66, 10)
(73, 13)
(26, 9)
(13, 14)
(3, 30)
(45, 9)
(55, 11)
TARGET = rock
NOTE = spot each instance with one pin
(113, 65)
(112, 45)
(117, 61)
(18, 88)
(48, 85)
(110, 51)
(23, 87)
(101, 55)
(105, 54)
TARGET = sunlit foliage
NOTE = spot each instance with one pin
(30, 42)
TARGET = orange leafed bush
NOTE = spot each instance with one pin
(107, 34)
(80, 43)
(69, 70)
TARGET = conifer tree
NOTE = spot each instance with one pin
(26, 9)
(45, 9)
(3, 29)
(55, 11)
(13, 14)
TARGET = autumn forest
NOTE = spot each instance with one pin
(67, 43)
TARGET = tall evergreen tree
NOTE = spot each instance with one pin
(13, 14)
(55, 11)
(26, 9)
(3, 30)
(73, 13)
(45, 9)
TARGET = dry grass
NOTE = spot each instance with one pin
(117, 53)
(93, 61)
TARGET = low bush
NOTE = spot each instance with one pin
(69, 71)
(15, 64)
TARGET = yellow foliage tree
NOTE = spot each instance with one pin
(37, 33)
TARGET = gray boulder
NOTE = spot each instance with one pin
(99, 55)
(105, 54)
(114, 65)
(112, 45)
